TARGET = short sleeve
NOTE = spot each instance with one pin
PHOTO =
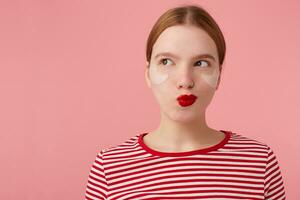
(274, 186)
(96, 187)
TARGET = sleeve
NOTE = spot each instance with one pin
(274, 186)
(96, 188)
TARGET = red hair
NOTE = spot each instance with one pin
(188, 15)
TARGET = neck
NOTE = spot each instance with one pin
(179, 133)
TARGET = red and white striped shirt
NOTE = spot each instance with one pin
(235, 168)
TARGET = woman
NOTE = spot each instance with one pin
(184, 158)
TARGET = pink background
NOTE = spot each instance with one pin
(72, 82)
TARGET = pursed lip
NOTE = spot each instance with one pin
(187, 97)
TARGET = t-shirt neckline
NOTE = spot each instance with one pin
(185, 153)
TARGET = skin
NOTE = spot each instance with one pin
(183, 129)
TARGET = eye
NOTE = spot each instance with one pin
(164, 61)
(206, 63)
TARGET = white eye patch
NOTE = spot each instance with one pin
(157, 75)
(212, 78)
(160, 74)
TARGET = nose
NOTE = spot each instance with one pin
(185, 80)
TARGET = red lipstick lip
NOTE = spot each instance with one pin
(186, 100)
(186, 97)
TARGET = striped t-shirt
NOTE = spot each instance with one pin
(235, 168)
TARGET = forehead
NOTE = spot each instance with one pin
(184, 40)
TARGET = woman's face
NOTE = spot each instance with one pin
(184, 60)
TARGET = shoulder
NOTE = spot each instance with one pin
(129, 145)
(244, 142)
(238, 137)
(259, 151)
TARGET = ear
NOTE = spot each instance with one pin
(219, 80)
(147, 74)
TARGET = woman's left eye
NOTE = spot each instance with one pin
(206, 63)
(162, 61)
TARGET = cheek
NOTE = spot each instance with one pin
(157, 77)
(206, 83)
(161, 93)
(211, 79)
(163, 96)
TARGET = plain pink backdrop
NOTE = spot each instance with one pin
(72, 82)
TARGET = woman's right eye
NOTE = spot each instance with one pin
(163, 61)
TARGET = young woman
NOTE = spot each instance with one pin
(184, 158)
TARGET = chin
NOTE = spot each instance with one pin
(184, 116)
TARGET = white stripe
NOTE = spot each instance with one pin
(176, 182)
(92, 197)
(150, 165)
(191, 195)
(145, 179)
(276, 190)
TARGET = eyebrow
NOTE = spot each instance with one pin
(194, 57)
